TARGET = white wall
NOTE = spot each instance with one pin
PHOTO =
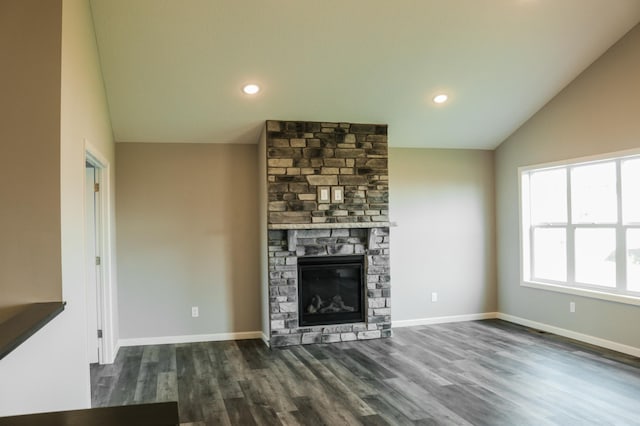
(50, 371)
(444, 242)
(597, 113)
(84, 123)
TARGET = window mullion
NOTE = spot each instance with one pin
(621, 236)
(532, 264)
(571, 263)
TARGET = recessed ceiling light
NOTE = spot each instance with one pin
(441, 98)
(251, 89)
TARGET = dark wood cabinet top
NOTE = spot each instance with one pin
(25, 323)
(157, 414)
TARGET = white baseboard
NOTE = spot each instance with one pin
(192, 338)
(265, 339)
(442, 320)
(608, 344)
(115, 352)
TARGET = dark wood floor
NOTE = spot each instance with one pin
(482, 373)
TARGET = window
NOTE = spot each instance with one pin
(581, 227)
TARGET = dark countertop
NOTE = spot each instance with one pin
(25, 323)
(157, 414)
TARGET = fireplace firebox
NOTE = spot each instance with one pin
(330, 290)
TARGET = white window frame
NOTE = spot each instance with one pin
(617, 294)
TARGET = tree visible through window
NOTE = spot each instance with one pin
(581, 224)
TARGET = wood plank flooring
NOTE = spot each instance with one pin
(472, 373)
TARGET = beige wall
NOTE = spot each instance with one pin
(187, 236)
(50, 371)
(30, 42)
(444, 242)
(597, 113)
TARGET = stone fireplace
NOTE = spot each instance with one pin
(328, 232)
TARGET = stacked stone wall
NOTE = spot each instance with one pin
(328, 195)
(304, 157)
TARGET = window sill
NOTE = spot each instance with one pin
(594, 294)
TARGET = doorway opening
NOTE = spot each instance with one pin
(98, 285)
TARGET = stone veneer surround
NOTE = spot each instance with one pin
(301, 158)
(286, 246)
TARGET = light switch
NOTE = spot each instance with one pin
(324, 194)
(337, 194)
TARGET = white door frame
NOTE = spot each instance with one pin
(105, 294)
(92, 267)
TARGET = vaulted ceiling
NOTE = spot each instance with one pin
(173, 69)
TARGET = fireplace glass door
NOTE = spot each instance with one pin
(330, 290)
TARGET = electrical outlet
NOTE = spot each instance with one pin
(572, 307)
(434, 297)
(195, 312)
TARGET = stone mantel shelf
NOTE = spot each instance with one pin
(276, 227)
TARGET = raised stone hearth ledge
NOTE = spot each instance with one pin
(362, 225)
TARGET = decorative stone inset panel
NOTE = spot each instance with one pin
(301, 156)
